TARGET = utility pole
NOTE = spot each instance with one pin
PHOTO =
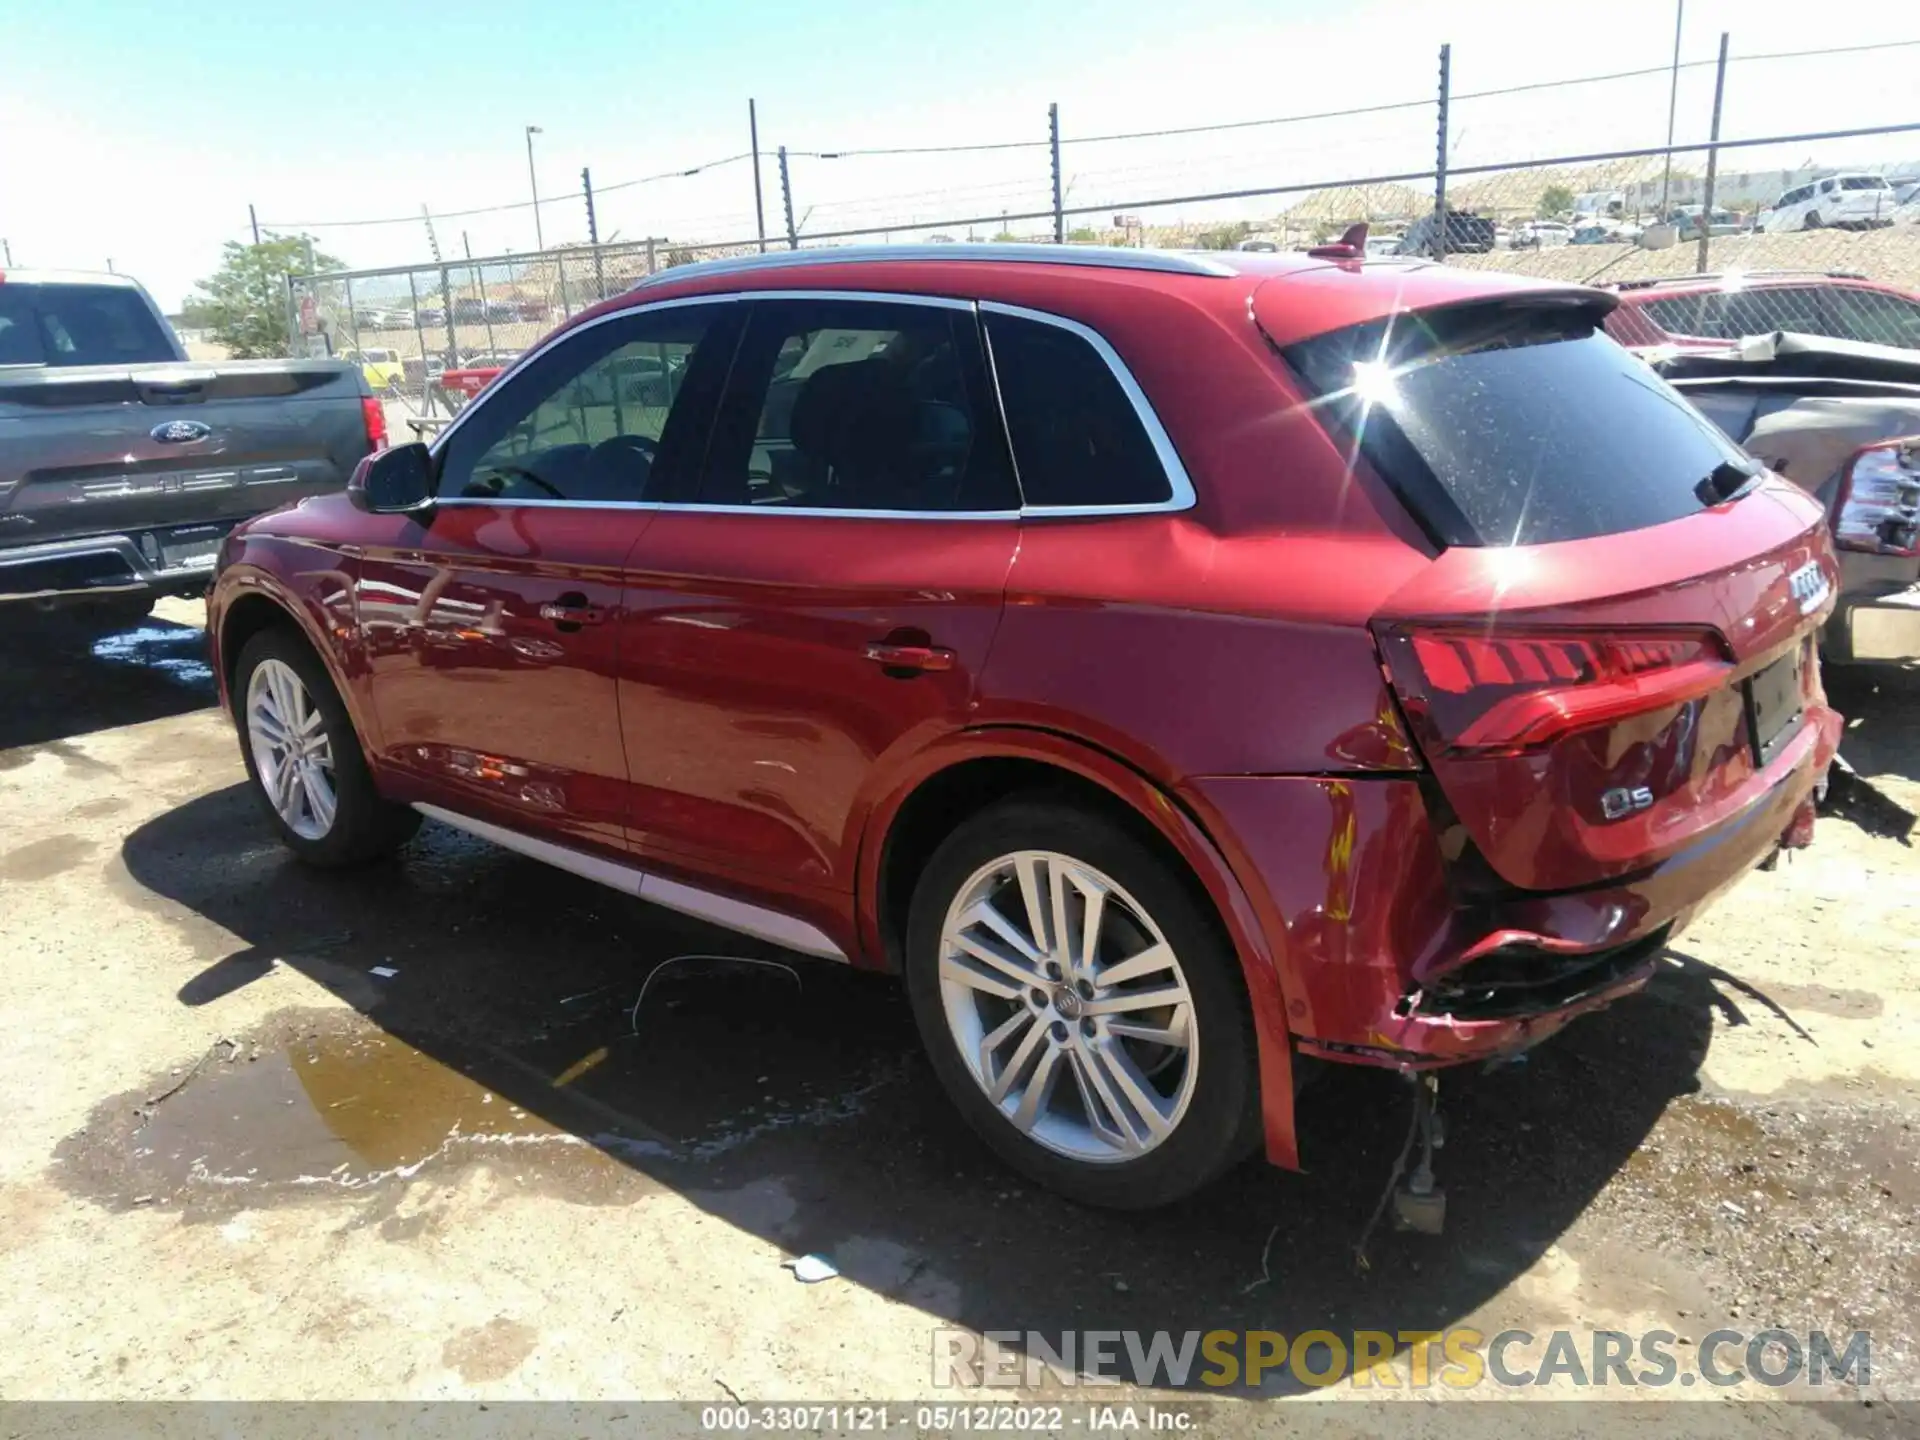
(533, 183)
(1053, 143)
(6, 246)
(254, 220)
(786, 200)
(759, 206)
(479, 290)
(1440, 159)
(593, 234)
(1713, 157)
(1673, 104)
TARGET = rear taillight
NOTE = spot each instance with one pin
(376, 420)
(1878, 506)
(1505, 693)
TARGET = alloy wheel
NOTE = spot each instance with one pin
(292, 752)
(1068, 1006)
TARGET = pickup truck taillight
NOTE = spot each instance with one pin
(376, 418)
(1506, 693)
(1877, 508)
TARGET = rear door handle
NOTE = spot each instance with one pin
(910, 657)
(572, 611)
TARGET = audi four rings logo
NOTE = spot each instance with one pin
(178, 432)
(1809, 586)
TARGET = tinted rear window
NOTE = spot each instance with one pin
(1863, 182)
(1513, 426)
(1077, 439)
(79, 325)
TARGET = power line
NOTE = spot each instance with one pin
(853, 153)
(502, 209)
(1162, 133)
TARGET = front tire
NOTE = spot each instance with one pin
(1079, 1006)
(304, 760)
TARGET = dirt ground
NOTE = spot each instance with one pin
(242, 1162)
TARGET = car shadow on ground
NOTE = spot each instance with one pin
(65, 678)
(798, 1106)
(1882, 708)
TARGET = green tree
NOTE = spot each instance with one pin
(1554, 200)
(243, 304)
(1083, 235)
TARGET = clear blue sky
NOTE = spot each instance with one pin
(140, 132)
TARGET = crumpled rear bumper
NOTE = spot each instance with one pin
(1384, 963)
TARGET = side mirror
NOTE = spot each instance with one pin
(395, 481)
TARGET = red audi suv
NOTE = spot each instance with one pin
(1171, 665)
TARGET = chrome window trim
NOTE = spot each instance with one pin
(1181, 489)
(1180, 485)
(1166, 262)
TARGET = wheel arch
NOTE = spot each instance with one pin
(255, 602)
(962, 775)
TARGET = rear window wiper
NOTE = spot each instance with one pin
(1728, 480)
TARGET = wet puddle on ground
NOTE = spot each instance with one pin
(176, 651)
(315, 1102)
(326, 1102)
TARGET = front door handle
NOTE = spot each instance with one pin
(920, 658)
(571, 611)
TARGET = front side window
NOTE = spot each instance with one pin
(858, 405)
(608, 415)
(1504, 425)
(1077, 438)
(1704, 314)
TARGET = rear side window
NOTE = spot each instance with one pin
(858, 405)
(1863, 182)
(79, 325)
(1077, 437)
(1503, 425)
(1875, 317)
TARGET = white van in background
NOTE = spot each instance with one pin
(1847, 201)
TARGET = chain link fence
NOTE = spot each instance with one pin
(1648, 216)
(428, 336)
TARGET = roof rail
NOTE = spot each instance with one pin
(1728, 275)
(1168, 262)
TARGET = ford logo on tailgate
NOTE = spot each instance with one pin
(179, 432)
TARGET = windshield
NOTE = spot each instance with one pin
(1514, 426)
(79, 325)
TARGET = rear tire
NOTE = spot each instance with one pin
(1056, 1053)
(304, 759)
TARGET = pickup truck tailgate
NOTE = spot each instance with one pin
(95, 450)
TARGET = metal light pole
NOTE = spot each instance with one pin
(759, 205)
(1673, 104)
(533, 183)
(1713, 159)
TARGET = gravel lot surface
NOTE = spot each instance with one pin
(241, 1164)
